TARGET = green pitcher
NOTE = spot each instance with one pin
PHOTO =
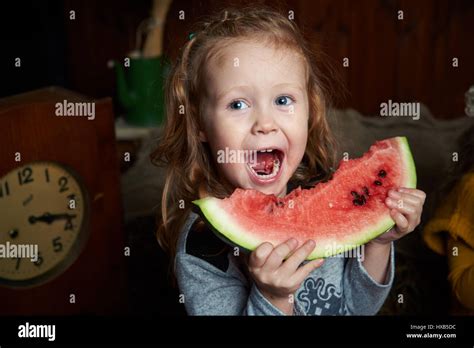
(140, 88)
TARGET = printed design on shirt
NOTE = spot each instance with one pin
(319, 298)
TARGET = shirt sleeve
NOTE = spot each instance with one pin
(362, 294)
(209, 291)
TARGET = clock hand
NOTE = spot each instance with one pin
(49, 218)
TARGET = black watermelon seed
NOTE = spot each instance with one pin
(354, 194)
(366, 190)
(359, 201)
(382, 173)
(378, 183)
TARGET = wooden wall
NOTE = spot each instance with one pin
(402, 60)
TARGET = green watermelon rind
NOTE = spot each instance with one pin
(409, 163)
(228, 226)
(224, 224)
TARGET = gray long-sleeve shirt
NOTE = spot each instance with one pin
(217, 286)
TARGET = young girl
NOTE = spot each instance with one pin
(247, 81)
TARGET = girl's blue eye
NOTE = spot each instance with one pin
(238, 105)
(284, 100)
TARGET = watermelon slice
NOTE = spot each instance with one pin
(339, 215)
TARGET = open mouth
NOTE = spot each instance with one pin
(267, 165)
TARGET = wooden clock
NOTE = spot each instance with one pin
(59, 201)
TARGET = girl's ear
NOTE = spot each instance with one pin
(202, 137)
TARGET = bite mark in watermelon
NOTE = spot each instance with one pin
(339, 215)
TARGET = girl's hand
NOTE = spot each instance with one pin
(277, 278)
(406, 207)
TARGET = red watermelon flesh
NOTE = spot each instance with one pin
(339, 215)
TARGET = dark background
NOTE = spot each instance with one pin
(409, 60)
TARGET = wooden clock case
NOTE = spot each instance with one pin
(97, 279)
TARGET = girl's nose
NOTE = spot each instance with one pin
(264, 124)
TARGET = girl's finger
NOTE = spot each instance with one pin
(411, 212)
(400, 220)
(300, 275)
(279, 253)
(407, 197)
(420, 194)
(293, 262)
(402, 206)
(259, 256)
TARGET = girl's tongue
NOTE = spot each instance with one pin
(265, 162)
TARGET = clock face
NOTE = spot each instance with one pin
(43, 224)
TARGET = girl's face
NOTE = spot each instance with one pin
(255, 113)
